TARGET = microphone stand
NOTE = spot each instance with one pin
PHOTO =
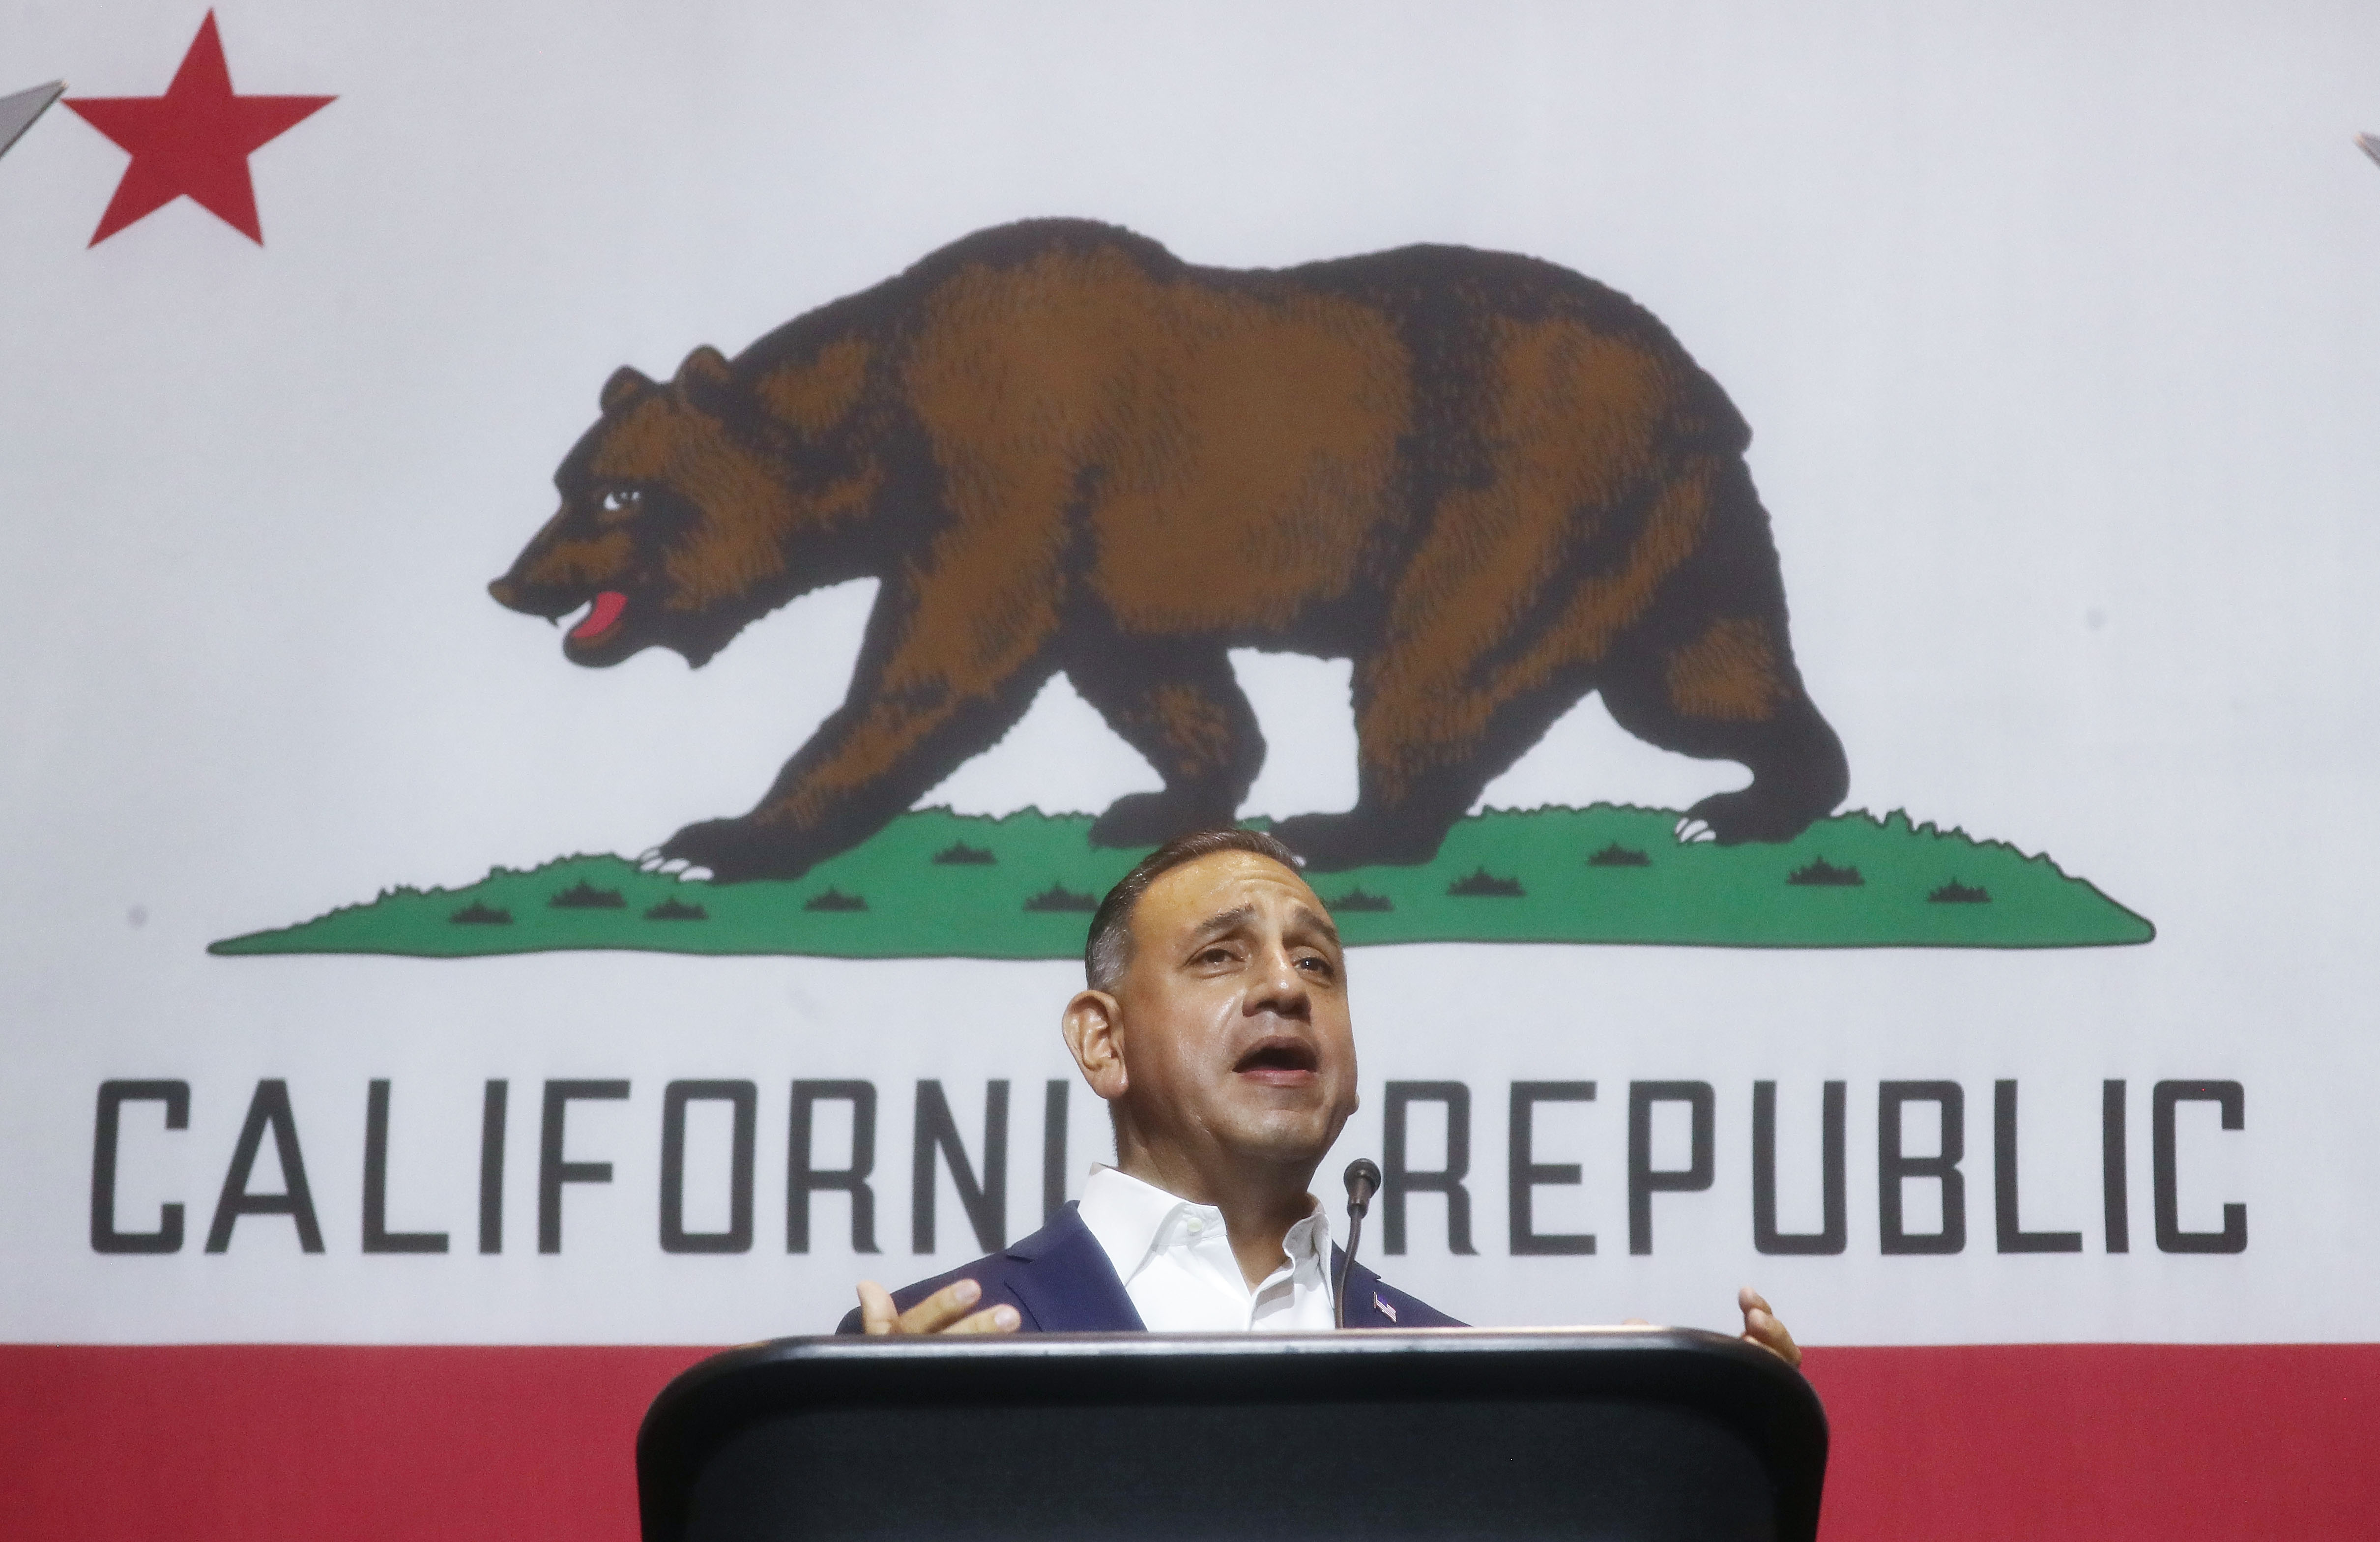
(1362, 1181)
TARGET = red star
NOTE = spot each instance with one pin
(196, 140)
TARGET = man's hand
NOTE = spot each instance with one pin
(945, 1311)
(1760, 1327)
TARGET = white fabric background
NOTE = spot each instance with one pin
(2056, 329)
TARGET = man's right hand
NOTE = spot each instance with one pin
(945, 1311)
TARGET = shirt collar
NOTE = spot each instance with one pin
(1131, 1218)
(1309, 1240)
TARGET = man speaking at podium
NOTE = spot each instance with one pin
(1215, 1025)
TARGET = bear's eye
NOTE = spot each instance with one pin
(618, 503)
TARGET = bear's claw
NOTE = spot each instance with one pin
(1151, 818)
(731, 850)
(1334, 842)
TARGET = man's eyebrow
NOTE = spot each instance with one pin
(1320, 923)
(1228, 920)
(1240, 916)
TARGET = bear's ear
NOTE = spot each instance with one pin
(705, 374)
(625, 382)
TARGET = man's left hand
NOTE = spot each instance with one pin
(1761, 1326)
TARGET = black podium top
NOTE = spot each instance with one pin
(1636, 1434)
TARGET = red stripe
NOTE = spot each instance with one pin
(237, 1443)
(255, 1444)
(2105, 1441)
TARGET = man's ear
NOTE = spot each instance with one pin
(1094, 1029)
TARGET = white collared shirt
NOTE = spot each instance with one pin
(1176, 1263)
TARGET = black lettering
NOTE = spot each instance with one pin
(113, 1096)
(269, 1109)
(1644, 1180)
(1893, 1169)
(378, 1238)
(802, 1179)
(1833, 1234)
(1526, 1173)
(2114, 1188)
(552, 1171)
(744, 1098)
(987, 1202)
(492, 1167)
(1053, 1150)
(2012, 1236)
(1398, 1179)
(2170, 1237)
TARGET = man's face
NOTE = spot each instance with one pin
(1234, 1035)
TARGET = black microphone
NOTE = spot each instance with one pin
(1362, 1181)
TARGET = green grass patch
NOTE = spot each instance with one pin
(1506, 876)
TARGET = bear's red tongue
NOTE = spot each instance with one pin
(608, 606)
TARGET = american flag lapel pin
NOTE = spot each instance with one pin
(1386, 1310)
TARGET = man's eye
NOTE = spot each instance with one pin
(1215, 956)
(1316, 963)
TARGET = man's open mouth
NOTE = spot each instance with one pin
(1278, 1057)
(602, 616)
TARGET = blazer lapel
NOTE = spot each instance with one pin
(1067, 1285)
(1365, 1307)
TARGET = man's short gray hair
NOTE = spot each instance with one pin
(1107, 953)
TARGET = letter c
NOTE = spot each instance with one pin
(113, 1096)
(2232, 1102)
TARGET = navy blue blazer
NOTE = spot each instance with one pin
(1060, 1282)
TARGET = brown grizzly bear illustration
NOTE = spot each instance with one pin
(1493, 484)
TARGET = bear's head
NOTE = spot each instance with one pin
(693, 508)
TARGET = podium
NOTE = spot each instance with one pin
(1620, 1434)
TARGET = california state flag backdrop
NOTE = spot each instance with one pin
(1803, 576)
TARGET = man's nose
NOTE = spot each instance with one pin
(1282, 988)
